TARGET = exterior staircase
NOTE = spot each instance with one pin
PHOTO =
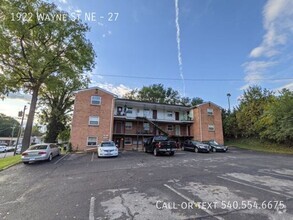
(154, 124)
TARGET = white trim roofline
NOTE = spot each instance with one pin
(96, 87)
(199, 105)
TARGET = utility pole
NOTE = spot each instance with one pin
(20, 127)
(229, 95)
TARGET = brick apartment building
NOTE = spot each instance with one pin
(100, 115)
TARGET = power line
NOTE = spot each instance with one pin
(193, 79)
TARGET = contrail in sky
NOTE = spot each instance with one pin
(178, 45)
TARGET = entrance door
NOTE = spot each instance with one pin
(177, 116)
(118, 127)
(155, 114)
(177, 130)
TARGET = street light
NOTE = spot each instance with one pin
(229, 95)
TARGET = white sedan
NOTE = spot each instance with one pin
(107, 149)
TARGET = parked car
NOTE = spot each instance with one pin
(160, 144)
(215, 147)
(10, 148)
(18, 149)
(107, 149)
(40, 152)
(195, 146)
(2, 148)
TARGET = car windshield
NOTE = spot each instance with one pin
(108, 144)
(38, 147)
(214, 142)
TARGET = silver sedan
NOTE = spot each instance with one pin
(40, 152)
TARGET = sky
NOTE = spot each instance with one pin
(201, 48)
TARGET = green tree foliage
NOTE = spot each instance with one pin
(262, 114)
(36, 130)
(159, 94)
(277, 119)
(251, 108)
(32, 50)
(56, 99)
(6, 126)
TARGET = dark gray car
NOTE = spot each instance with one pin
(195, 146)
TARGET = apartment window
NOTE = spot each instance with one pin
(129, 110)
(96, 100)
(211, 127)
(91, 141)
(169, 114)
(210, 111)
(128, 125)
(146, 112)
(170, 127)
(94, 120)
(146, 126)
(128, 141)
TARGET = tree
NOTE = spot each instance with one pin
(32, 50)
(56, 99)
(277, 119)
(36, 131)
(251, 108)
(8, 126)
(159, 94)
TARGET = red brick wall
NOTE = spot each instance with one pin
(202, 120)
(80, 123)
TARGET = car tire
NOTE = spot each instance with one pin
(172, 153)
(25, 163)
(156, 152)
(50, 157)
(214, 150)
(196, 150)
(145, 150)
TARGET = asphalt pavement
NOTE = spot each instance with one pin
(239, 184)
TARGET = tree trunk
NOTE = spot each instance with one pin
(29, 124)
(54, 127)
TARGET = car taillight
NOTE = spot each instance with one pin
(24, 154)
(42, 152)
(158, 145)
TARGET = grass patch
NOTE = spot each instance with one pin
(263, 146)
(9, 161)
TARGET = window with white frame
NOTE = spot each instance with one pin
(210, 111)
(169, 114)
(96, 100)
(94, 120)
(128, 125)
(128, 141)
(211, 127)
(170, 127)
(92, 141)
(129, 110)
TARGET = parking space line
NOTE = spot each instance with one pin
(92, 207)
(93, 157)
(277, 174)
(61, 158)
(247, 184)
(191, 201)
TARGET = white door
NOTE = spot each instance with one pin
(177, 129)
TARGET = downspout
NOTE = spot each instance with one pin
(200, 125)
(112, 120)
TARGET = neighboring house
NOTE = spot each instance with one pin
(100, 115)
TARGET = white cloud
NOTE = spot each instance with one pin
(255, 71)
(119, 90)
(287, 86)
(278, 24)
(63, 1)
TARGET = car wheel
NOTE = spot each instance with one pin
(214, 150)
(155, 152)
(25, 163)
(172, 153)
(145, 150)
(196, 150)
(50, 157)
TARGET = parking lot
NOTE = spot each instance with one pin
(239, 184)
